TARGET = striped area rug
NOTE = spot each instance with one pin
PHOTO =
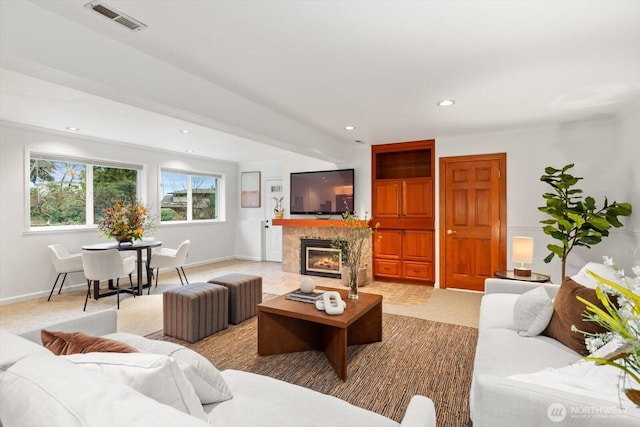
(415, 357)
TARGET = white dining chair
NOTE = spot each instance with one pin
(107, 265)
(170, 258)
(64, 262)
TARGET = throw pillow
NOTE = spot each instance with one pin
(532, 312)
(14, 348)
(77, 342)
(568, 311)
(153, 375)
(601, 270)
(51, 391)
(205, 378)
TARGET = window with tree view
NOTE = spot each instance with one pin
(72, 192)
(187, 197)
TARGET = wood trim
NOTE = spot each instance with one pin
(316, 223)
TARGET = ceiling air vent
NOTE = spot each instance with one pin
(115, 15)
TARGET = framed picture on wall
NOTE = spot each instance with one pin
(250, 190)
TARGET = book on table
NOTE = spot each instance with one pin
(298, 295)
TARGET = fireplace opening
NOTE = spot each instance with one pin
(318, 258)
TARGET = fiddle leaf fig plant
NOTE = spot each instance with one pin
(575, 220)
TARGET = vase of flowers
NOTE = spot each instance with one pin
(125, 222)
(354, 241)
(278, 210)
(621, 319)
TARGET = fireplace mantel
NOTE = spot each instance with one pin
(314, 223)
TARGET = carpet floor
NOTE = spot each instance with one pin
(416, 356)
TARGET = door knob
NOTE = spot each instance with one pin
(451, 231)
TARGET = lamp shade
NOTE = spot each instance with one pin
(522, 250)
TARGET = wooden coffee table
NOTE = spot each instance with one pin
(286, 326)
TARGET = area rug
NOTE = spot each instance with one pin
(415, 357)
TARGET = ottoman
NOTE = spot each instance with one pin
(245, 293)
(195, 311)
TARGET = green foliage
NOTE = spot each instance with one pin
(58, 193)
(57, 204)
(168, 214)
(41, 170)
(111, 184)
(575, 220)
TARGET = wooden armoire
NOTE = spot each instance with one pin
(402, 203)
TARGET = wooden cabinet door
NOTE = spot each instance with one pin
(387, 196)
(388, 244)
(417, 198)
(417, 245)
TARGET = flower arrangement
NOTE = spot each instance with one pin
(125, 222)
(621, 319)
(353, 238)
(278, 207)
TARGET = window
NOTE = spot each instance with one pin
(189, 197)
(65, 191)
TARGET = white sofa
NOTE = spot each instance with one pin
(498, 400)
(38, 388)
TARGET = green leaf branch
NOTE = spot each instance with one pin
(574, 220)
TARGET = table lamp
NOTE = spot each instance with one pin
(522, 252)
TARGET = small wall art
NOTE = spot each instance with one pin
(250, 189)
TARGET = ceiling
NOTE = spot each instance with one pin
(251, 80)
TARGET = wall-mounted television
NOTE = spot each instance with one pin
(321, 192)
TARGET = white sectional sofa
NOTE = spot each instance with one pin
(38, 388)
(499, 396)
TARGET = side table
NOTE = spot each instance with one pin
(535, 277)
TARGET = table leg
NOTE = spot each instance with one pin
(149, 275)
(335, 348)
(280, 334)
(140, 285)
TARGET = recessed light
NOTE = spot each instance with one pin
(184, 131)
(446, 103)
(190, 151)
(73, 129)
(349, 127)
(359, 141)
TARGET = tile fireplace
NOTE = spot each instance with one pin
(294, 230)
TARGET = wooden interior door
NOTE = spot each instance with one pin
(472, 219)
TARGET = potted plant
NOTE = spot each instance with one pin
(575, 221)
(125, 222)
(353, 238)
(278, 210)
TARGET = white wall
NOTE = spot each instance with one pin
(25, 268)
(249, 227)
(605, 154)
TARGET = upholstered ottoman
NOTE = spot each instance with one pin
(195, 311)
(245, 293)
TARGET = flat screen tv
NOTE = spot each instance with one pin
(322, 192)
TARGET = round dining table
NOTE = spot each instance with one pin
(138, 246)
